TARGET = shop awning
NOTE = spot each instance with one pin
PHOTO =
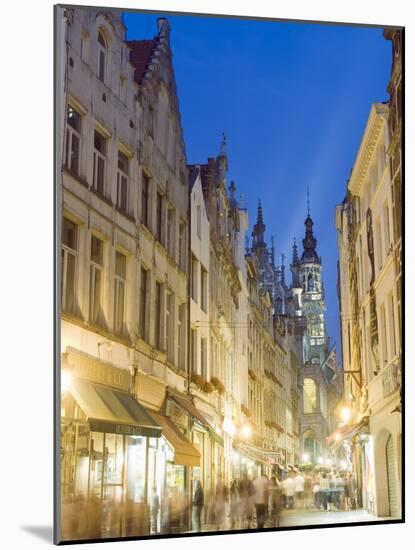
(184, 452)
(190, 408)
(265, 456)
(347, 431)
(113, 411)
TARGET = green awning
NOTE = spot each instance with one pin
(113, 411)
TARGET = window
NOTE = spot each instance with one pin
(122, 182)
(383, 336)
(170, 326)
(143, 303)
(182, 336)
(119, 291)
(203, 357)
(157, 318)
(100, 150)
(309, 396)
(387, 227)
(69, 259)
(123, 88)
(203, 289)
(379, 247)
(84, 46)
(194, 350)
(73, 140)
(182, 246)
(199, 221)
(145, 200)
(159, 217)
(96, 278)
(392, 325)
(194, 278)
(170, 232)
(102, 56)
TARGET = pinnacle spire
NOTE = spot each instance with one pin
(296, 259)
(272, 251)
(260, 219)
(259, 229)
(295, 267)
(283, 269)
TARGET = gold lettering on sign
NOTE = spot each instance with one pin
(86, 366)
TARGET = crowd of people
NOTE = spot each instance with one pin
(246, 503)
(257, 503)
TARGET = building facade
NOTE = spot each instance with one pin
(127, 423)
(370, 321)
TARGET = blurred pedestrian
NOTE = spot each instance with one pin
(261, 495)
(289, 491)
(246, 495)
(220, 502)
(324, 491)
(234, 503)
(316, 491)
(299, 490)
(274, 505)
(330, 493)
(198, 503)
(308, 491)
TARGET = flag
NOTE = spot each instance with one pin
(329, 366)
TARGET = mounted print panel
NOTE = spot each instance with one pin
(229, 253)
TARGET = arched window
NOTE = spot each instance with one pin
(102, 55)
(309, 396)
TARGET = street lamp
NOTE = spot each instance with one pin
(306, 457)
(246, 431)
(346, 414)
(66, 379)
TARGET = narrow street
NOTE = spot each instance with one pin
(290, 518)
(294, 518)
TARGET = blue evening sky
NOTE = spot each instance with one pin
(293, 100)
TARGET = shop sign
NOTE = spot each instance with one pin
(87, 367)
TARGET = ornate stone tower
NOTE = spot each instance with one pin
(313, 303)
(307, 274)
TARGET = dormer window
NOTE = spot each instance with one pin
(102, 56)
